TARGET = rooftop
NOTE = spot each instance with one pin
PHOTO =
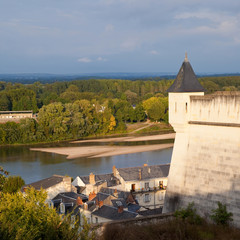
(147, 172)
(186, 80)
(46, 183)
(112, 213)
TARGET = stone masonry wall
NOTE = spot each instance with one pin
(205, 166)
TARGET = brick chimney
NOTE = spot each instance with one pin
(120, 209)
(92, 196)
(114, 170)
(140, 174)
(115, 194)
(92, 178)
(79, 201)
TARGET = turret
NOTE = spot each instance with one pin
(185, 85)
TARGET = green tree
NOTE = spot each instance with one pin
(3, 176)
(52, 119)
(5, 104)
(13, 184)
(155, 108)
(23, 99)
(28, 217)
(140, 113)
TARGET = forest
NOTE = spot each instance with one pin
(80, 108)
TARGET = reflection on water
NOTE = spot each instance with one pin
(33, 166)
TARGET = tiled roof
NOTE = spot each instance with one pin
(46, 183)
(186, 80)
(147, 172)
(112, 213)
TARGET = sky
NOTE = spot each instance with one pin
(108, 36)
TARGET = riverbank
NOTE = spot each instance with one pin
(105, 151)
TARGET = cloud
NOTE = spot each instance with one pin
(84, 60)
(101, 59)
(154, 52)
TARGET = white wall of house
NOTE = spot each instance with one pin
(151, 199)
(64, 186)
(78, 182)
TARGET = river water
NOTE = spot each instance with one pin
(33, 165)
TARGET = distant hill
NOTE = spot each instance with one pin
(50, 78)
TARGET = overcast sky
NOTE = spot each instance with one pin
(91, 36)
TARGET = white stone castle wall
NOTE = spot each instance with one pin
(205, 166)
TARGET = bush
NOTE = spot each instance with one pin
(189, 214)
(220, 215)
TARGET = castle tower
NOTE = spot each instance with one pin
(185, 85)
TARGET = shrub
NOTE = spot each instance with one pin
(220, 215)
(189, 214)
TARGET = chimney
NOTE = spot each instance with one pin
(91, 196)
(85, 206)
(92, 178)
(100, 204)
(120, 209)
(115, 194)
(114, 169)
(79, 201)
(140, 174)
(145, 164)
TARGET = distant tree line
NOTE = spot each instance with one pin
(79, 108)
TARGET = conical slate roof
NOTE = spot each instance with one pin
(186, 80)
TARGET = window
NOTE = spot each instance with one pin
(96, 219)
(161, 196)
(147, 198)
(161, 184)
(133, 188)
(186, 107)
(147, 185)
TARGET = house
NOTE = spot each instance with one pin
(15, 116)
(53, 185)
(147, 183)
(93, 183)
(109, 213)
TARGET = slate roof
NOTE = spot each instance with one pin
(119, 202)
(46, 183)
(101, 196)
(186, 80)
(99, 178)
(132, 173)
(69, 197)
(133, 207)
(150, 212)
(111, 213)
(110, 191)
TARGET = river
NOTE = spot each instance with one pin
(33, 165)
